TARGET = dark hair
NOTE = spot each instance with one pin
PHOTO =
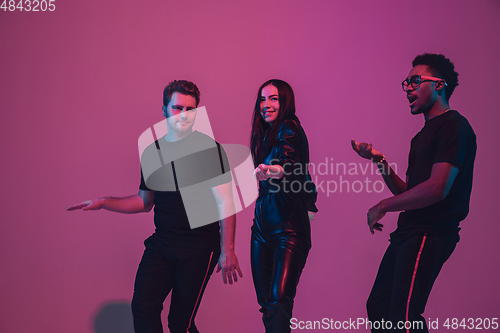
(441, 67)
(181, 86)
(260, 128)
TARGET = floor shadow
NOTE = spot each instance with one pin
(114, 317)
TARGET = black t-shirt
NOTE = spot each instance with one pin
(187, 169)
(445, 138)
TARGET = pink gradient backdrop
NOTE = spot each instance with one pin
(79, 85)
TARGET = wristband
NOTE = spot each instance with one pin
(381, 161)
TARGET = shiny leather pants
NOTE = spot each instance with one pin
(276, 268)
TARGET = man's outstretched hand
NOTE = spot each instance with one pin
(366, 150)
(87, 205)
(228, 264)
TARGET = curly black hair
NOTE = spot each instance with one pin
(441, 67)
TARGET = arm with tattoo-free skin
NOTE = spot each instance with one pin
(433, 190)
(144, 202)
(139, 203)
(228, 262)
(395, 184)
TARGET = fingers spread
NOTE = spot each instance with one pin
(230, 273)
(229, 276)
(235, 276)
(239, 271)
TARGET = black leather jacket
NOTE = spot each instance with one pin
(281, 207)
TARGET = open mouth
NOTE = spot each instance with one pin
(412, 100)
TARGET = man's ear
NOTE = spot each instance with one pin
(440, 84)
(164, 109)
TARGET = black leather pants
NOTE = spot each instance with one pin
(278, 256)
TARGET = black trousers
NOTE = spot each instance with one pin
(276, 269)
(404, 281)
(162, 269)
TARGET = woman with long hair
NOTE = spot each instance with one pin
(281, 232)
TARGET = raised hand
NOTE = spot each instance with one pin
(367, 151)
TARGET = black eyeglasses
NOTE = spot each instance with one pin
(416, 80)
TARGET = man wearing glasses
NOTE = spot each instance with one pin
(433, 199)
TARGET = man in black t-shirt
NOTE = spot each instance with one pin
(185, 175)
(434, 198)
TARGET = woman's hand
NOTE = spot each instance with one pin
(262, 172)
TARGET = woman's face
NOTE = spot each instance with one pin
(269, 104)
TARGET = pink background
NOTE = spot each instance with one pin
(80, 84)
